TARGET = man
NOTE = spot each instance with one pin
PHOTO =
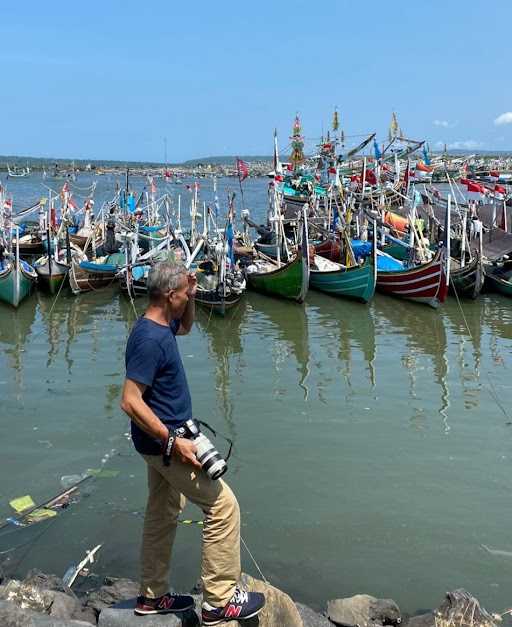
(157, 399)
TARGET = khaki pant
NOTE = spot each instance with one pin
(169, 487)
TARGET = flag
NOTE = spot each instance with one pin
(230, 237)
(242, 169)
(370, 177)
(475, 187)
(426, 158)
(277, 164)
(378, 153)
(423, 168)
(335, 121)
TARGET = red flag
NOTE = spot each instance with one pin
(242, 169)
(474, 187)
(370, 177)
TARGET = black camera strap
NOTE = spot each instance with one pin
(224, 437)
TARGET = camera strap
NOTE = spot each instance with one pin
(224, 437)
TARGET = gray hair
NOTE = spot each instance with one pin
(163, 277)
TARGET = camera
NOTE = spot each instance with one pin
(207, 455)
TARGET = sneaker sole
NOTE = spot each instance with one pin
(153, 612)
(225, 620)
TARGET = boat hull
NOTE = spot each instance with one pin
(467, 282)
(290, 281)
(53, 280)
(497, 280)
(16, 283)
(87, 276)
(425, 283)
(357, 283)
(216, 302)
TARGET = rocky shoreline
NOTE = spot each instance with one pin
(42, 600)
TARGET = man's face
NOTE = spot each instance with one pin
(178, 298)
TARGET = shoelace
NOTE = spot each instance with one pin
(240, 596)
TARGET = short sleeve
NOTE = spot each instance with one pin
(174, 326)
(142, 361)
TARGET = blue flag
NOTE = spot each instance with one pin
(426, 158)
(378, 153)
(230, 236)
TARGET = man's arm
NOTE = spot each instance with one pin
(142, 415)
(187, 320)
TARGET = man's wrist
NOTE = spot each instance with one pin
(168, 447)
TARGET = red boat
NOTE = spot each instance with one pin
(330, 249)
(425, 283)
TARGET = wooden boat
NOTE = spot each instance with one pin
(85, 276)
(467, 281)
(288, 280)
(329, 248)
(17, 278)
(499, 278)
(357, 282)
(424, 283)
(51, 273)
(31, 244)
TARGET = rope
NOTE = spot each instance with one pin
(253, 560)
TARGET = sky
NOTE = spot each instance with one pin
(111, 80)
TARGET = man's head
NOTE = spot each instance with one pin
(167, 286)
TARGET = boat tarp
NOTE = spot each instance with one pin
(387, 263)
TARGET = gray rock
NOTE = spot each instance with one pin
(46, 582)
(115, 591)
(63, 605)
(310, 618)
(279, 610)
(121, 615)
(27, 596)
(422, 620)
(363, 610)
(85, 614)
(13, 616)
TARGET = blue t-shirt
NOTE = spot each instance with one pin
(153, 359)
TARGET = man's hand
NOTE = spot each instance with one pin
(185, 451)
(192, 284)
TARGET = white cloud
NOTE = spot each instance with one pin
(444, 123)
(468, 144)
(504, 118)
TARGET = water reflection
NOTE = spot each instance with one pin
(224, 337)
(15, 329)
(289, 333)
(69, 317)
(350, 328)
(425, 335)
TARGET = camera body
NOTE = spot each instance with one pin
(207, 455)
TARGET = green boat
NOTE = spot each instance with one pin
(17, 278)
(499, 278)
(357, 282)
(288, 280)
